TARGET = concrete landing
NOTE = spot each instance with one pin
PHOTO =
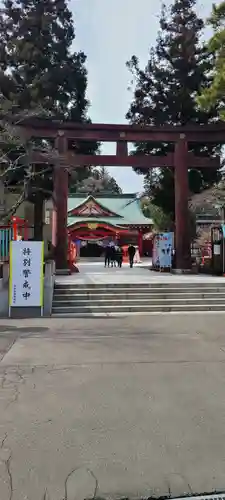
(96, 273)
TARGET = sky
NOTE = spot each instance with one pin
(110, 32)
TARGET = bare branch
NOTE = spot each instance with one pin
(16, 156)
(12, 210)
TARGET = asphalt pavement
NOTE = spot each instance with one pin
(123, 408)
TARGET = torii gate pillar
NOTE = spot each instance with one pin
(182, 221)
(60, 199)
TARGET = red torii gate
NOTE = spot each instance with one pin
(181, 161)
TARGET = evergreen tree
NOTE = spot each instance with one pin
(214, 95)
(162, 222)
(36, 39)
(39, 69)
(165, 93)
(100, 181)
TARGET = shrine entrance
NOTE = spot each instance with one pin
(96, 221)
(66, 135)
(91, 249)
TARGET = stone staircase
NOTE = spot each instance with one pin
(71, 300)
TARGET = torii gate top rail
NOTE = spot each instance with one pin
(38, 127)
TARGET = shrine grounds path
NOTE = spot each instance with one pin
(126, 407)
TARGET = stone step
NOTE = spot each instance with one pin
(104, 286)
(136, 296)
(138, 308)
(71, 299)
(133, 304)
(136, 302)
(132, 313)
(135, 290)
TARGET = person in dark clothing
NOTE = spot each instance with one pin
(131, 254)
(173, 258)
(120, 256)
(107, 255)
(113, 256)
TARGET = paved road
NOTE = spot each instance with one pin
(123, 408)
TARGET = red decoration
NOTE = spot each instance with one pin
(20, 228)
(81, 232)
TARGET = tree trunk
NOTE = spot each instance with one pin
(38, 217)
(2, 196)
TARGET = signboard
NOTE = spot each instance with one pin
(26, 274)
(162, 250)
(216, 249)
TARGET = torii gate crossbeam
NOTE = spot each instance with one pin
(63, 132)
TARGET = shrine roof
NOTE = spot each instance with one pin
(115, 209)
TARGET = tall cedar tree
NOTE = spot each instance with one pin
(38, 68)
(215, 94)
(165, 93)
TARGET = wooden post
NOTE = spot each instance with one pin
(140, 242)
(38, 217)
(54, 225)
(61, 200)
(182, 223)
(14, 227)
(121, 148)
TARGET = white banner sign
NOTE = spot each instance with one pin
(26, 274)
(162, 250)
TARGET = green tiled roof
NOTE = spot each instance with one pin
(126, 207)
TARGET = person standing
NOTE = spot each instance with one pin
(107, 255)
(120, 256)
(113, 256)
(131, 253)
(173, 258)
(137, 259)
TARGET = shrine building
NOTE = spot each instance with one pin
(95, 221)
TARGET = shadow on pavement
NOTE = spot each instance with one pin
(23, 329)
